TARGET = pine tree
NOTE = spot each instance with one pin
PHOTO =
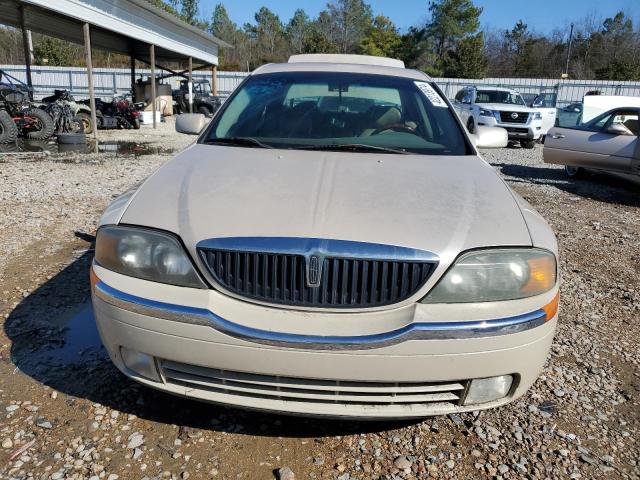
(381, 38)
(468, 60)
(189, 11)
(297, 31)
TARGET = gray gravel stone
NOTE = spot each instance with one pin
(402, 462)
(285, 473)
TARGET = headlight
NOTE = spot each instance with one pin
(486, 113)
(498, 274)
(145, 254)
(537, 116)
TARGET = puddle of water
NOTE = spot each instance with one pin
(25, 146)
(131, 148)
(80, 340)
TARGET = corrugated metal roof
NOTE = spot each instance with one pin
(124, 26)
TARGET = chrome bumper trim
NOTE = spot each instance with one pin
(414, 331)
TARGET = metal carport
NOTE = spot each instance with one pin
(132, 27)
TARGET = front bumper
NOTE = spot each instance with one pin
(532, 130)
(414, 377)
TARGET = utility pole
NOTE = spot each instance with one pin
(92, 96)
(566, 71)
(27, 48)
(190, 85)
(152, 58)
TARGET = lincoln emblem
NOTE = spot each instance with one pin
(313, 271)
(514, 115)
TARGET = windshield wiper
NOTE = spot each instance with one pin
(241, 141)
(352, 147)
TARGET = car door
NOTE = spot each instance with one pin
(461, 104)
(609, 142)
(546, 103)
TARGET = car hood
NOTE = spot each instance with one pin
(440, 204)
(506, 108)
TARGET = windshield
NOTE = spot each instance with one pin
(330, 110)
(203, 87)
(499, 96)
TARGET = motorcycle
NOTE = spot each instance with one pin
(67, 113)
(118, 113)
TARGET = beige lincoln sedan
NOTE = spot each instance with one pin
(332, 244)
(608, 143)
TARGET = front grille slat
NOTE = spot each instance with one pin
(292, 279)
(281, 278)
(364, 281)
(324, 285)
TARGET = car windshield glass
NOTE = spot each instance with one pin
(499, 96)
(326, 110)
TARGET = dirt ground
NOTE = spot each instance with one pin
(66, 412)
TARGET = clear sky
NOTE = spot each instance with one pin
(541, 15)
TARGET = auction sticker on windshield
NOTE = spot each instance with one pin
(435, 99)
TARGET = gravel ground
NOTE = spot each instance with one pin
(65, 412)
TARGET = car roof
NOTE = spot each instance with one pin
(342, 66)
(494, 89)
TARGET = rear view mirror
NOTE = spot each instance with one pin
(190, 123)
(490, 137)
(618, 129)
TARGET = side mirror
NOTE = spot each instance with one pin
(490, 137)
(618, 129)
(190, 123)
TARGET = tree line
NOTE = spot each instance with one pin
(451, 43)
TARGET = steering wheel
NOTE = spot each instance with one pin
(396, 127)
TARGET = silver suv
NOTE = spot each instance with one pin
(499, 107)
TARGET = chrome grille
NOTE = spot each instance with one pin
(311, 390)
(282, 278)
(506, 117)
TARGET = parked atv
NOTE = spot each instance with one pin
(8, 129)
(28, 121)
(203, 99)
(64, 108)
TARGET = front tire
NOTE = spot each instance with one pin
(85, 118)
(528, 144)
(8, 129)
(471, 125)
(43, 125)
(573, 172)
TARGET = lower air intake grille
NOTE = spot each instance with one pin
(311, 390)
(341, 282)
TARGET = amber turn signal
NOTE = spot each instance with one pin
(93, 278)
(551, 308)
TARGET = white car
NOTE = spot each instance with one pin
(500, 107)
(332, 244)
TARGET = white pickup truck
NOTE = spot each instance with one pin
(499, 107)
